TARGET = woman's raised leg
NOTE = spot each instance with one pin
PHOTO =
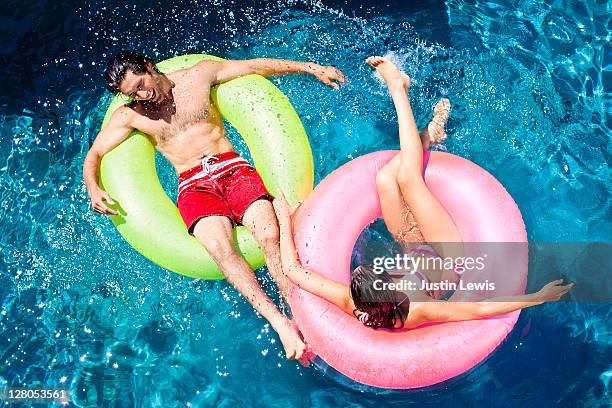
(396, 213)
(435, 224)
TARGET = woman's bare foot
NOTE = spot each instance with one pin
(389, 72)
(290, 338)
(434, 132)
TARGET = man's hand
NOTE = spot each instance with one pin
(330, 76)
(98, 198)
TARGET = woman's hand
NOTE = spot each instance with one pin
(282, 208)
(284, 211)
(553, 291)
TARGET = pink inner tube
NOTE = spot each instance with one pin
(327, 226)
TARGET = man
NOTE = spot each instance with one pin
(217, 188)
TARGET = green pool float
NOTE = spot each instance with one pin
(150, 222)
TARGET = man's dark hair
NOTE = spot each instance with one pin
(120, 63)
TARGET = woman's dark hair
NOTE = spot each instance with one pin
(120, 63)
(382, 306)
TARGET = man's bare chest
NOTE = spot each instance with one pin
(188, 112)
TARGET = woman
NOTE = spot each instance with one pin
(413, 216)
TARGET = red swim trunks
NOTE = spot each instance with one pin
(224, 184)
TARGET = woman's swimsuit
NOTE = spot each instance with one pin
(426, 250)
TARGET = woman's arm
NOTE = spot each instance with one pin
(317, 284)
(444, 311)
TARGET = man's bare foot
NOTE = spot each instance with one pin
(309, 354)
(292, 342)
(435, 133)
(389, 72)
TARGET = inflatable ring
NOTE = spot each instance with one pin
(150, 221)
(482, 210)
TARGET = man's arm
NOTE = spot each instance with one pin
(223, 71)
(115, 132)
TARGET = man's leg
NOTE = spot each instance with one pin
(260, 219)
(216, 235)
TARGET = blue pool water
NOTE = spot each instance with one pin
(530, 84)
